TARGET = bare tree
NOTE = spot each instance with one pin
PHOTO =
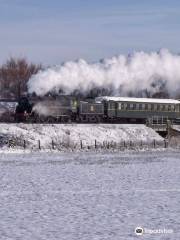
(14, 75)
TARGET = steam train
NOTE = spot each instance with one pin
(66, 109)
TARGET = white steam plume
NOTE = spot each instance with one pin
(135, 73)
(41, 109)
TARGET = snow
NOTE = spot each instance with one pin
(176, 127)
(71, 135)
(82, 196)
(141, 100)
(7, 106)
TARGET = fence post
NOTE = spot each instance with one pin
(120, 145)
(39, 144)
(165, 143)
(81, 144)
(24, 144)
(154, 143)
(95, 143)
(52, 144)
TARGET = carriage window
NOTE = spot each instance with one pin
(119, 106)
(131, 106)
(172, 108)
(177, 108)
(155, 107)
(92, 108)
(112, 105)
(166, 107)
(137, 106)
(122, 106)
(149, 107)
(143, 106)
(160, 107)
(140, 106)
(125, 106)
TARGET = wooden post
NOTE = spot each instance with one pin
(24, 144)
(154, 143)
(141, 143)
(168, 128)
(81, 144)
(95, 143)
(52, 144)
(165, 143)
(39, 144)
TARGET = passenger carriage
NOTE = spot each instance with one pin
(124, 109)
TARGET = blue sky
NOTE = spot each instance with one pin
(54, 31)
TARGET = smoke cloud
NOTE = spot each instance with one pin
(133, 73)
(41, 109)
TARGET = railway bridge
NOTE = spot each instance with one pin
(165, 129)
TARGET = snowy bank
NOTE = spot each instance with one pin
(74, 135)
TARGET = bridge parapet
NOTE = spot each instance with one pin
(159, 127)
(159, 124)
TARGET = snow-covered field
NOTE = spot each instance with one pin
(84, 196)
(71, 135)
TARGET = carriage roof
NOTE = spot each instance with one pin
(137, 100)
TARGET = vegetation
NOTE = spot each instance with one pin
(14, 75)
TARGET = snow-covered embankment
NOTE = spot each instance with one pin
(73, 135)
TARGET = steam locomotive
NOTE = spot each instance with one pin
(65, 109)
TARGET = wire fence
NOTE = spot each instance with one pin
(83, 145)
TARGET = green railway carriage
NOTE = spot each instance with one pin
(90, 111)
(139, 109)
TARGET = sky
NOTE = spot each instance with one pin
(52, 32)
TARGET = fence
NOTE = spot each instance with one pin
(107, 145)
